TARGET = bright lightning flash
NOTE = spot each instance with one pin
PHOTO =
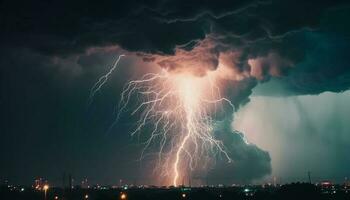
(178, 110)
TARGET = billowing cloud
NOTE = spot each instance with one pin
(255, 39)
(249, 161)
(298, 47)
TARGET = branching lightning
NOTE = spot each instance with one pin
(102, 80)
(176, 110)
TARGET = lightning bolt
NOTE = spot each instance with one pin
(102, 80)
(177, 108)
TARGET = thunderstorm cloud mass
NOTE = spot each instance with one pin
(161, 92)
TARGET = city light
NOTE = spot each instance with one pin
(123, 196)
(45, 188)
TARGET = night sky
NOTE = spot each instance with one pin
(289, 76)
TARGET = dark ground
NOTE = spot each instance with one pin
(291, 191)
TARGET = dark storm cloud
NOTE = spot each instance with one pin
(47, 127)
(152, 26)
(249, 161)
(324, 68)
(63, 27)
(46, 58)
(255, 29)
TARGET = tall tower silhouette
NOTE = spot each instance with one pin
(309, 176)
(70, 182)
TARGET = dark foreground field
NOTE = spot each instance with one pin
(285, 192)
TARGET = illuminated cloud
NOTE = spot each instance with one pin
(245, 44)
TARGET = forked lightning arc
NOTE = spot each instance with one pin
(176, 109)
